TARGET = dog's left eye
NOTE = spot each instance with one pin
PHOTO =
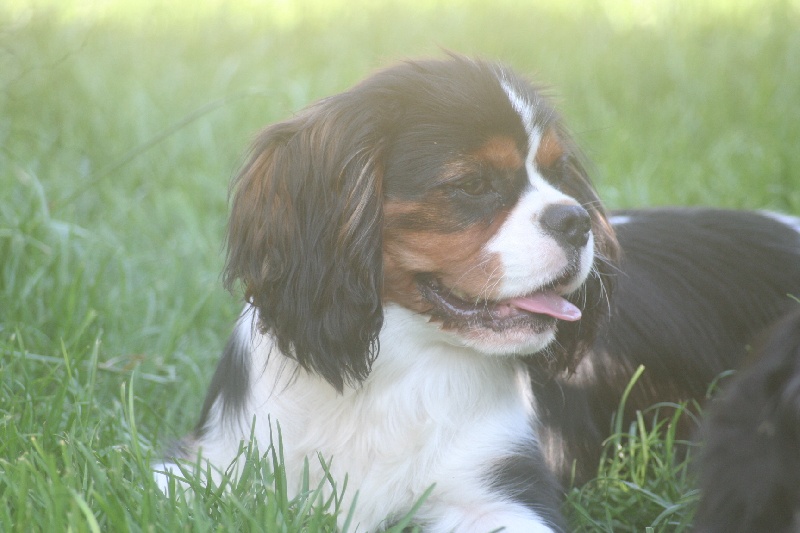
(475, 186)
(557, 170)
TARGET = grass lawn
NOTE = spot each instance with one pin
(121, 123)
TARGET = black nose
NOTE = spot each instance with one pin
(570, 224)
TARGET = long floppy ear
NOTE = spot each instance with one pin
(304, 238)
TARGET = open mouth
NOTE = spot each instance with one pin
(539, 309)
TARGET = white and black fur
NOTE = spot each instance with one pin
(695, 288)
(402, 246)
(427, 267)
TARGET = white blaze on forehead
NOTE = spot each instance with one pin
(527, 112)
(530, 256)
(522, 106)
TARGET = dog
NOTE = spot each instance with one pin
(426, 267)
(750, 465)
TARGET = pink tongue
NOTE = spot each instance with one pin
(547, 303)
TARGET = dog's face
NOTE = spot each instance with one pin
(484, 227)
(447, 187)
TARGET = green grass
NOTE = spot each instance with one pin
(121, 123)
(644, 477)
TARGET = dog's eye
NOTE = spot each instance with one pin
(558, 168)
(475, 186)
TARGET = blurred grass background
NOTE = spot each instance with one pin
(122, 121)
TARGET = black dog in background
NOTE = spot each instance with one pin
(749, 469)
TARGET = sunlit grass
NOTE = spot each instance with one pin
(122, 122)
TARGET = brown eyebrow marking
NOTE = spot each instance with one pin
(550, 149)
(500, 152)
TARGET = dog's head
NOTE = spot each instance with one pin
(450, 188)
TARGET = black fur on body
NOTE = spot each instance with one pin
(695, 287)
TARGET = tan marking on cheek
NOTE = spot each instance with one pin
(550, 149)
(453, 259)
(458, 259)
(397, 208)
(500, 152)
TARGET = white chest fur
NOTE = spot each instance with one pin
(429, 413)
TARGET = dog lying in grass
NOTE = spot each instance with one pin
(437, 308)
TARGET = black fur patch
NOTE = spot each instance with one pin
(230, 384)
(526, 478)
(750, 466)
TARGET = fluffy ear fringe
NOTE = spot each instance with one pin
(304, 239)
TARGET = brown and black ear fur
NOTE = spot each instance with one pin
(304, 237)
